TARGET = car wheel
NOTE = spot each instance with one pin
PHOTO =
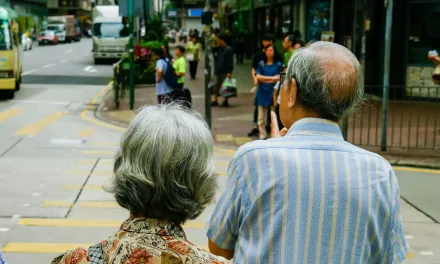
(18, 84)
(9, 94)
(98, 61)
(30, 47)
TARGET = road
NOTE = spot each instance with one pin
(55, 156)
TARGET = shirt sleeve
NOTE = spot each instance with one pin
(223, 225)
(159, 65)
(399, 247)
(2, 258)
(259, 69)
(182, 66)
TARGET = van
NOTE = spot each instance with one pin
(10, 55)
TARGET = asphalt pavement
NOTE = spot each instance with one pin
(55, 157)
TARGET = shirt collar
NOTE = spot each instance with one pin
(315, 126)
(153, 226)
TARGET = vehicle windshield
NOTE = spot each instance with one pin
(5, 35)
(110, 30)
(55, 27)
(47, 33)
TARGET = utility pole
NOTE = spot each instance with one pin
(386, 73)
(131, 52)
(208, 73)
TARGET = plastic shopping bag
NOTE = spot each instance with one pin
(228, 88)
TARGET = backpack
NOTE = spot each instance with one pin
(169, 75)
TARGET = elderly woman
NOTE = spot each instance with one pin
(164, 175)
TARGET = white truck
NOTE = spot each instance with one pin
(64, 28)
(110, 35)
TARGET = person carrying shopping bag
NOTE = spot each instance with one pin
(268, 74)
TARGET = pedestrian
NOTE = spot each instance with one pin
(179, 65)
(306, 195)
(159, 195)
(224, 64)
(163, 90)
(193, 55)
(259, 56)
(2, 258)
(166, 50)
(290, 44)
(240, 46)
(268, 74)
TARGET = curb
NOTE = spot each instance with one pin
(414, 164)
(97, 112)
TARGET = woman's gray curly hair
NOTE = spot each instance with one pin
(164, 167)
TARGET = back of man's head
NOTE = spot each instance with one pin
(329, 79)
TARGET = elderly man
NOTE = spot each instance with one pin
(308, 196)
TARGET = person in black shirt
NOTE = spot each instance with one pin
(268, 40)
(224, 64)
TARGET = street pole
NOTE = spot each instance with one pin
(131, 53)
(386, 74)
(208, 72)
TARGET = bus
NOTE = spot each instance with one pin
(10, 55)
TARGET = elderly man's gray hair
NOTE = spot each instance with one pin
(329, 79)
(164, 167)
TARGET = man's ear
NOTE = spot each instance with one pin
(292, 93)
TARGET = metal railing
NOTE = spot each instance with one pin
(120, 80)
(413, 119)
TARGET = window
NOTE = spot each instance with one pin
(318, 19)
(423, 32)
(5, 36)
(110, 30)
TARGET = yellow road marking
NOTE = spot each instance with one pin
(221, 174)
(242, 140)
(32, 129)
(63, 204)
(98, 152)
(106, 161)
(41, 247)
(411, 169)
(85, 204)
(224, 138)
(85, 161)
(93, 187)
(10, 113)
(17, 247)
(221, 163)
(410, 255)
(225, 150)
(101, 204)
(223, 154)
(86, 132)
(94, 101)
(88, 223)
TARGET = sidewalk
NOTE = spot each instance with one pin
(230, 126)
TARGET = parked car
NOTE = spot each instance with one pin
(26, 42)
(47, 37)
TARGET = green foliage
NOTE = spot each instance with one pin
(151, 45)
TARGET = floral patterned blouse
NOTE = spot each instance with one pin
(142, 240)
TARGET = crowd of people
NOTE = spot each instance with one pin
(303, 196)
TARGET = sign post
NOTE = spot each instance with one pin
(131, 53)
(207, 21)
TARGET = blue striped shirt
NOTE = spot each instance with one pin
(2, 258)
(309, 197)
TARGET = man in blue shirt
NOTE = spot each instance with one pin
(308, 196)
(2, 258)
